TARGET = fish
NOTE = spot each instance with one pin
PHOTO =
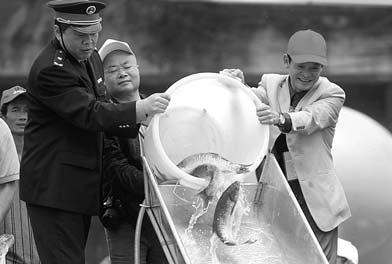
(192, 162)
(215, 168)
(225, 212)
(228, 215)
(207, 194)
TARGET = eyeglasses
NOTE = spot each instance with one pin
(125, 68)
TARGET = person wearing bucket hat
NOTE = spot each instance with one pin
(68, 115)
(14, 112)
(302, 109)
(9, 95)
(13, 107)
(123, 181)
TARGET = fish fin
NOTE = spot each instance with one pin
(230, 242)
(235, 243)
(249, 241)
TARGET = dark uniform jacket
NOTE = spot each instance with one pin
(62, 158)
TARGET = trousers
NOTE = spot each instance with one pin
(121, 243)
(327, 240)
(60, 236)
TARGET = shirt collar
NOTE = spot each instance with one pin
(291, 90)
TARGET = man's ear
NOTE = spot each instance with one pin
(57, 32)
(286, 60)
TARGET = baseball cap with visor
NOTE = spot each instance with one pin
(307, 46)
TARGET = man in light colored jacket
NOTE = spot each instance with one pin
(302, 110)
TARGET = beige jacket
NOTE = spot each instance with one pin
(310, 143)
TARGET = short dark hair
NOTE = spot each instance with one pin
(62, 26)
(4, 109)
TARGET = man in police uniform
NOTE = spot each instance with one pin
(68, 114)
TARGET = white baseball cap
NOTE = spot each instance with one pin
(111, 45)
(347, 250)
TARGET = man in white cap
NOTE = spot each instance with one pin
(123, 167)
(60, 175)
(302, 110)
(13, 107)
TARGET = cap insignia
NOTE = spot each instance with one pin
(91, 10)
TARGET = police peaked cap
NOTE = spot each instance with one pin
(82, 14)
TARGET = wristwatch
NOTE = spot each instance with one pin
(282, 120)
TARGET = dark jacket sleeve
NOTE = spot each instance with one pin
(119, 172)
(62, 91)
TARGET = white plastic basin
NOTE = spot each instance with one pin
(208, 112)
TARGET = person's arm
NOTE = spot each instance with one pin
(321, 114)
(261, 91)
(7, 193)
(60, 90)
(9, 169)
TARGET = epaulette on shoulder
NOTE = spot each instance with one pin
(59, 57)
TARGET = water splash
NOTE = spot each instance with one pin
(214, 240)
(200, 210)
